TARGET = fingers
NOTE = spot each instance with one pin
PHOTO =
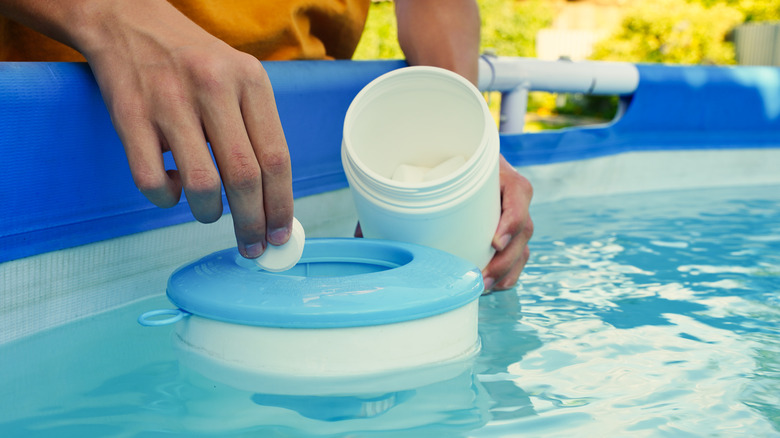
(173, 86)
(144, 156)
(270, 147)
(516, 193)
(504, 269)
(248, 143)
(198, 175)
(231, 104)
(241, 176)
(514, 230)
(150, 122)
(239, 168)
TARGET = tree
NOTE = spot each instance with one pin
(509, 28)
(753, 10)
(674, 31)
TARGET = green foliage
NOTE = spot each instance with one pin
(753, 10)
(673, 31)
(509, 28)
(560, 110)
(380, 36)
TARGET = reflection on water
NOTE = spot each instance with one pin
(652, 315)
(656, 316)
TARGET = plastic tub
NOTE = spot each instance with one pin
(420, 151)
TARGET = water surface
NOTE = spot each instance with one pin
(646, 315)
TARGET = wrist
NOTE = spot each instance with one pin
(105, 27)
(88, 23)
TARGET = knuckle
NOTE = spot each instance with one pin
(250, 233)
(276, 163)
(128, 110)
(148, 182)
(522, 183)
(514, 220)
(244, 176)
(129, 115)
(207, 72)
(528, 229)
(250, 228)
(516, 223)
(500, 265)
(168, 92)
(201, 181)
(525, 186)
(216, 74)
(250, 70)
(279, 215)
(208, 76)
(250, 67)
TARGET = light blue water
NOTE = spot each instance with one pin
(654, 315)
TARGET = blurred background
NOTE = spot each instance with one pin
(705, 32)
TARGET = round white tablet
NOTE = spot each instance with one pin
(283, 257)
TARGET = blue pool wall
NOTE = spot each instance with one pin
(64, 179)
(673, 108)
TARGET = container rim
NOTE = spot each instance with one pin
(411, 282)
(356, 107)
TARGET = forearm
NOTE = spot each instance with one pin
(441, 33)
(48, 17)
(94, 26)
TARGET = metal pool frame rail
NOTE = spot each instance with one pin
(515, 77)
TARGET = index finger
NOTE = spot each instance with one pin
(266, 135)
(516, 193)
(144, 156)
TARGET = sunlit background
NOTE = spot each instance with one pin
(708, 32)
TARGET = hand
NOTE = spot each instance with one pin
(171, 86)
(514, 230)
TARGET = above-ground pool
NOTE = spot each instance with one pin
(652, 315)
(650, 305)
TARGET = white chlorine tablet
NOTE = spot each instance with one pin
(283, 257)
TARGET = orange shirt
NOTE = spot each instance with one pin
(267, 29)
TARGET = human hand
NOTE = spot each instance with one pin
(514, 230)
(171, 86)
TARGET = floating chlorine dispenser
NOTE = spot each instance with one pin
(348, 308)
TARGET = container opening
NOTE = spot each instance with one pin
(340, 261)
(420, 119)
(335, 268)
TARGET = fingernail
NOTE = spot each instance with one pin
(503, 241)
(254, 250)
(278, 236)
(489, 282)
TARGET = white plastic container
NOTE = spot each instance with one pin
(420, 124)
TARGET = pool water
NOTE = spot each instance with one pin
(637, 315)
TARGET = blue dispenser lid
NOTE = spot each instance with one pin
(339, 282)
